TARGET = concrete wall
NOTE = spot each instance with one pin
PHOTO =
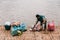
(25, 10)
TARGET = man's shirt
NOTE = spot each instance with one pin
(41, 18)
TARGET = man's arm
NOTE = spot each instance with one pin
(36, 23)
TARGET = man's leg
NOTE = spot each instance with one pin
(45, 25)
(41, 26)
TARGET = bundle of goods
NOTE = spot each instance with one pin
(18, 29)
(23, 27)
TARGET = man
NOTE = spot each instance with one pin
(42, 20)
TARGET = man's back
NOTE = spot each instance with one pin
(41, 17)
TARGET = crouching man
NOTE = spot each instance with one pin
(42, 20)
